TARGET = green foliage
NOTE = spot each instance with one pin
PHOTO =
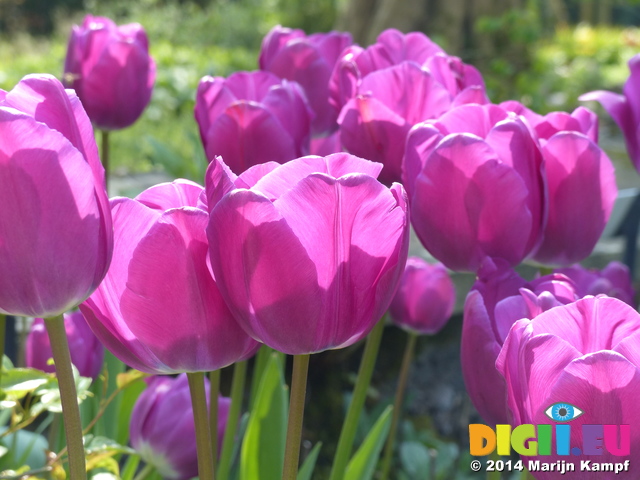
(363, 463)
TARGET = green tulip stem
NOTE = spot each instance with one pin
(201, 421)
(104, 156)
(296, 415)
(145, 472)
(397, 404)
(68, 396)
(348, 433)
(214, 382)
(3, 327)
(237, 391)
(494, 474)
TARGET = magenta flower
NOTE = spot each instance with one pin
(159, 309)
(476, 186)
(584, 354)
(307, 254)
(162, 429)
(87, 353)
(624, 109)
(308, 60)
(111, 71)
(498, 299)
(55, 221)
(252, 118)
(425, 298)
(614, 281)
(580, 180)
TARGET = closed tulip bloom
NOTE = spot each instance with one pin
(498, 299)
(55, 222)
(425, 298)
(614, 280)
(624, 109)
(87, 353)
(307, 254)
(162, 429)
(475, 175)
(159, 309)
(581, 185)
(308, 60)
(111, 71)
(584, 354)
(252, 118)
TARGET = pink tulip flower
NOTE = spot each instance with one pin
(111, 71)
(55, 222)
(159, 309)
(425, 298)
(586, 355)
(162, 429)
(580, 180)
(87, 353)
(624, 109)
(308, 60)
(614, 281)
(307, 254)
(476, 186)
(498, 299)
(252, 118)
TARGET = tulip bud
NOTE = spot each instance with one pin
(614, 281)
(111, 71)
(425, 298)
(307, 254)
(55, 219)
(87, 353)
(162, 428)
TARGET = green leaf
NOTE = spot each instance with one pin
(415, 459)
(23, 448)
(363, 464)
(130, 467)
(262, 453)
(19, 382)
(97, 444)
(6, 363)
(50, 393)
(309, 463)
(128, 398)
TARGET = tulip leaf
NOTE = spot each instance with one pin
(309, 463)
(415, 459)
(363, 464)
(262, 452)
(130, 467)
(128, 398)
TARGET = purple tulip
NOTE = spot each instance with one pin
(55, 223)
(159, 309)
(584, 354)
(476, 186)
(87, 353)
(110, 69)
(162, 429)
(624, 109)
(580, 180)
(323, 146)
(497, 300)
(425, 298)
(614, 281)
(252, 118)
(391, 48)
(307, 254)
(308, 60)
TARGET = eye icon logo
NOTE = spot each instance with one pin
(563, 412)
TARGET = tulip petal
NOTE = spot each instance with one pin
(254, 246)
(176, 194)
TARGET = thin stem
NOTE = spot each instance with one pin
(214, 382)
(296, 415)
(104, 156)
(54, 432)
(397, 405)
(144, 473)
(494, 474)
(348, 433)
(3, 327)
(237, 391)
(201, 421)
(68, 396)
